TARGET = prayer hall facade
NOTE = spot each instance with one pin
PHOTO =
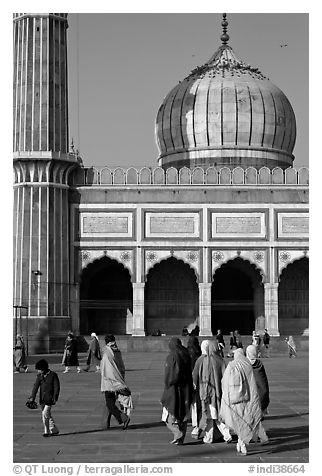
(216, 231)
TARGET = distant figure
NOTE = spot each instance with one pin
(240, 405)
(262, 388)
(94, 353)
(70, 357)
(20, 357)
(185, 332)
(113, 384)
(194, 352)
(177, 395)
(266, 339)
(291, 347)
(207, 376)
(48, 383)
(193, 328)
(256, 341)
(232, 344)
(238, 339)
(221, 342)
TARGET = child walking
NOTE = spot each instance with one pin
(48, 383)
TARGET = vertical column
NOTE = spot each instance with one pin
(205, 309)
(271, 308)
(138, 309)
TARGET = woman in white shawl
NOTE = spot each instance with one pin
(207, 374)
(240, 405)
(113, 384)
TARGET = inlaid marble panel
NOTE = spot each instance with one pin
(106, 224)
(293, 225)
(172, 225)
(238, 225)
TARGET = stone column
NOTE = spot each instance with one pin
(271, 308)
(138, 309)
(205, 309)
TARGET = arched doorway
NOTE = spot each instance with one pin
(105, 297)
(237, 298)
(171, 297)
(293, 298)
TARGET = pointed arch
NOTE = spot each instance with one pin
(237, 297)
(171, 296)
(105, 297)
(293, 297)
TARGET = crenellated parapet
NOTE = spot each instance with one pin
(190, 176)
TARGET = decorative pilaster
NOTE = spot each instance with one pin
(271, 308)
(205, 309)
(138, 309)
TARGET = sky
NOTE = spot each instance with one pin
(122, 65)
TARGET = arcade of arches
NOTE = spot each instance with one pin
(171, 298)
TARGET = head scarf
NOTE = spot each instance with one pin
(179, 352)
(205, 347)
(251, 353)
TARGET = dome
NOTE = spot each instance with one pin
(225, 113)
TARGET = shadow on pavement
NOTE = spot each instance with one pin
(291, 415)
(131, 427)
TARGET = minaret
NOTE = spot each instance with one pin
(42, 167)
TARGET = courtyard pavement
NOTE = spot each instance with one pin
(80, 415)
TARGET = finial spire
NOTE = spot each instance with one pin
(224, 37)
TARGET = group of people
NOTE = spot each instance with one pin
(224, 401)
(116, 392)
(232, 399)
(70, 355)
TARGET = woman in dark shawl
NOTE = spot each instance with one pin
(177, 394)
(207, 375)
(262, 387)
(194, 352)
(70, 357)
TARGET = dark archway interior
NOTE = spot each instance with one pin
(171, 297)
(105, 297)
(237, 297)
(293, 298)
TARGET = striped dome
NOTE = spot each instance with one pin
(226, 113)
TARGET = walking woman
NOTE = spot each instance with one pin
(70, 357)
(240, 405)
(113, 384)
(291, 347)
(20, 355)
(94, 353)
(262, 387)
(207, 376)
(177, 395)
(194, 350)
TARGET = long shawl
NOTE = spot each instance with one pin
(177, 394)
(240, 405)
(207, 376)
(111, 378)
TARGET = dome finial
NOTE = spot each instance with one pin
(224, 37)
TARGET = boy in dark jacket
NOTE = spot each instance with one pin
(48, 382)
